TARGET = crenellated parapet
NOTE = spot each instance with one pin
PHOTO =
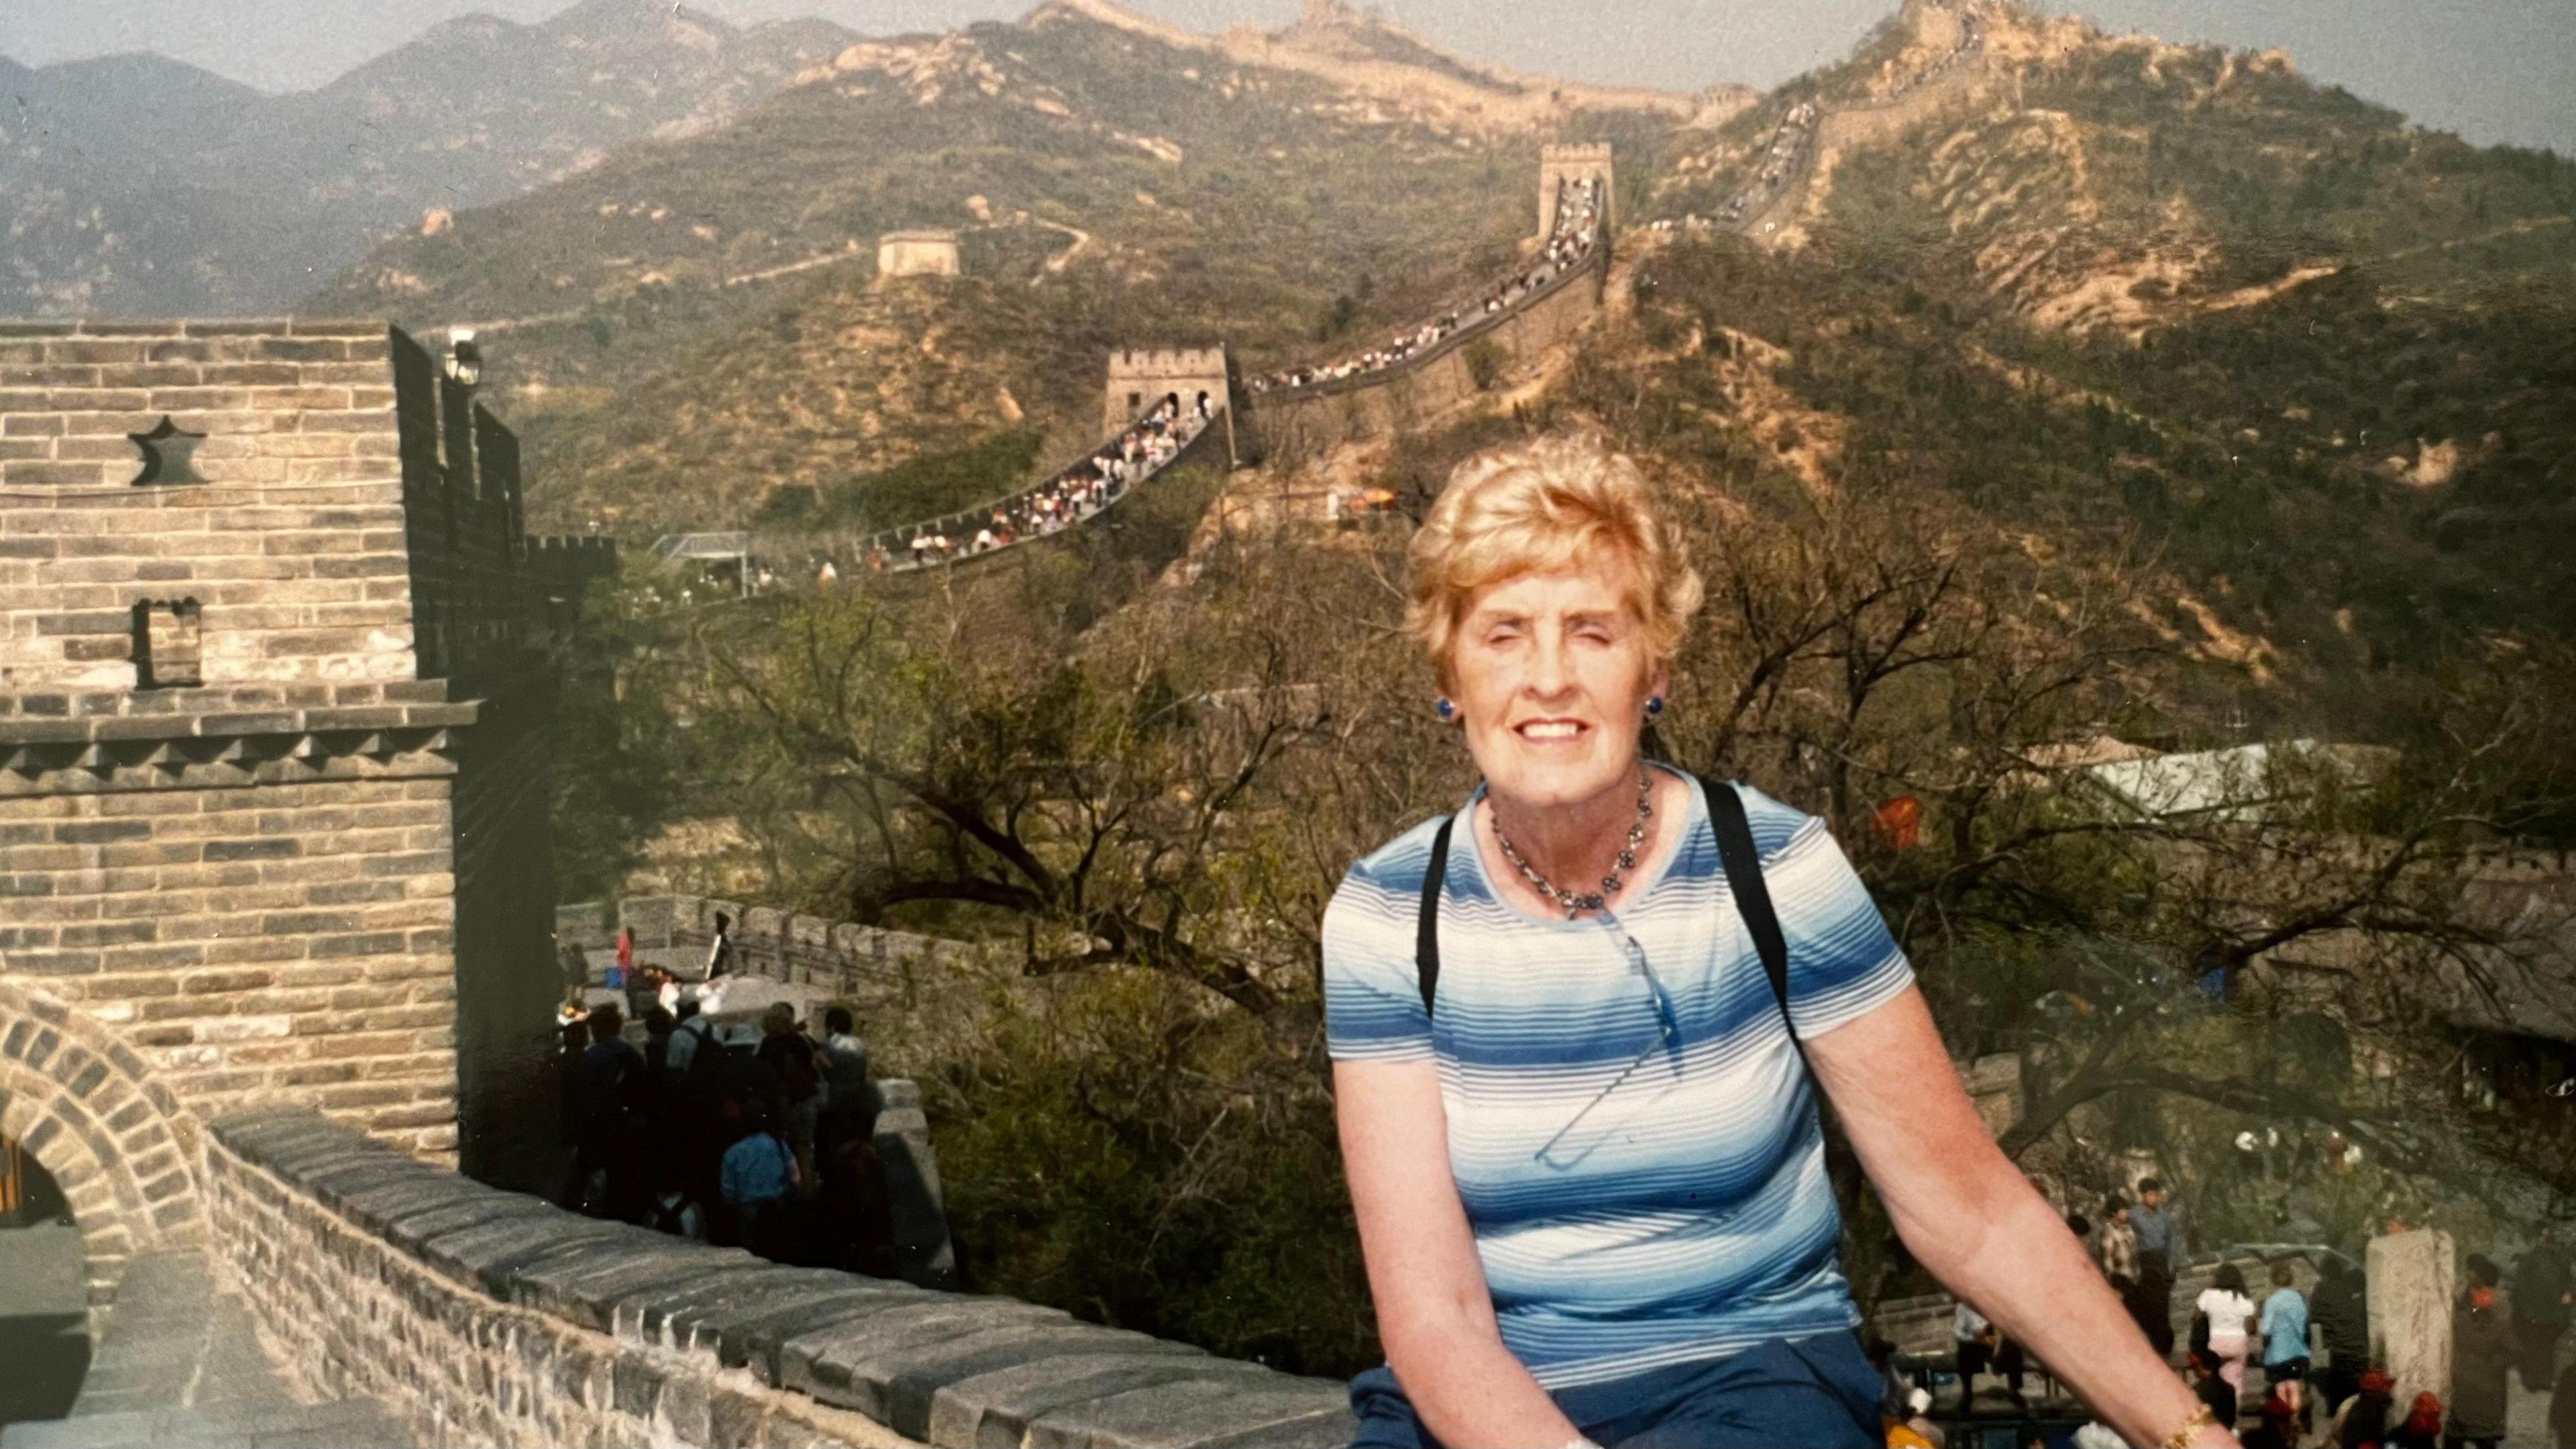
(1140, 377)
(560, 568)
(477, 1316)
(1574, 161)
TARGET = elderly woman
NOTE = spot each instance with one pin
(1586, 1158)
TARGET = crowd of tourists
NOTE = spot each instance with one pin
(1786, 153)
(1569, 245)
(1069, 497)
(761, 1137)
(2320, 1387)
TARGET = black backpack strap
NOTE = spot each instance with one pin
(1743, 862)
(1426, 926)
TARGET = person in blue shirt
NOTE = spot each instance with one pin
(759, 1181)
(2159, 1248)
(1586, 1163)
(2284, 1326)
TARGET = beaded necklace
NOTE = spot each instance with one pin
(1573, 904)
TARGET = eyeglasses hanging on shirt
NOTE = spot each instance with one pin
(1668, 1038)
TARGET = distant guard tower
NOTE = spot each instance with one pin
(1581, 161)
(916, 254)
(1141, 377)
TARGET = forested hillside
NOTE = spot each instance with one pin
(2060, 398)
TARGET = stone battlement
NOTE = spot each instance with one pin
(478, 1316)
(1127, 362)
(1564, 161)
(1140, 377)
(562, 567)
(862, 964)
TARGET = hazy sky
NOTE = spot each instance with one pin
(2493, 70)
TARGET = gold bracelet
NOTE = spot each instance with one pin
(2201, 1418)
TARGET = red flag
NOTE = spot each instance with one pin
(1900, 822)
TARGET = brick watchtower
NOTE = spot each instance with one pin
(1140, 377)
(1585, 161)
(271, 755)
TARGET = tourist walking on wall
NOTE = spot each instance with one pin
(2341, 1308)
(2284, 1327)
(799, 1068)
(720, 950)
(2543, 1299)
(855, 1209)
(760, 1183)
(2159, 1248)
(1972, 1346)
(2227, 1310)
(693, 1064)
(608, 1109)
(2481, 1356)
(1593, 1204)
(849, 1096)
(2115, 1250)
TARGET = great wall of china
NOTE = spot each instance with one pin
(1294, 423)
(1427, 369)
(278, 965)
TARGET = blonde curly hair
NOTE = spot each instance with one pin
(1547, 504)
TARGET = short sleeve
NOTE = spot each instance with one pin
(1842, 961)
(1372, 989)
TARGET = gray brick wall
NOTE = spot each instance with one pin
(317, 872)
(293, 545)
(484, 1317)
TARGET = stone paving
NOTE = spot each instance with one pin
(44, 1320)
(180, 1363)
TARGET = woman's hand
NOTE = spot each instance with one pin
(1434, 1311)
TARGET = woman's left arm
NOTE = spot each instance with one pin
(1968, 1215)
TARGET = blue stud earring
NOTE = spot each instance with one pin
(1448, 711)
(1655, 707)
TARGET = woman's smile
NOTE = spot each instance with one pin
(1552, 731)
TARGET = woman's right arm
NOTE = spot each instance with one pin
(1434, 1313)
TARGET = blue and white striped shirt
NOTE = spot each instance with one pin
(1636, 1203)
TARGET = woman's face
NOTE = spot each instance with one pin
(1551, 677)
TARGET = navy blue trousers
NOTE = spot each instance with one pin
(1808, 1393)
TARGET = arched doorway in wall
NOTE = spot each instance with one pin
(80, 1106)
(44, 1301)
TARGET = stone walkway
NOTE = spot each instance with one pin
(44, 1321)
(180, 1364)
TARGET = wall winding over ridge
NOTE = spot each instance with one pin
(488, 1317)
(1297, 424)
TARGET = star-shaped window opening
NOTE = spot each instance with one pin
(169, 454)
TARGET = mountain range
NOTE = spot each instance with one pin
(2112, 293)
(694, 324)
(137, 185)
